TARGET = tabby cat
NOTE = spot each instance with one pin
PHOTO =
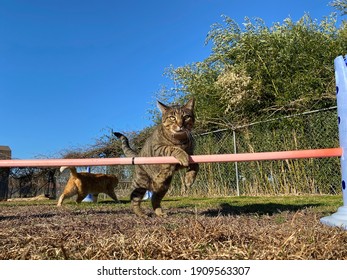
(172, 137)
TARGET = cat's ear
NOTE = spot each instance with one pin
(190, 104)
(162, 107)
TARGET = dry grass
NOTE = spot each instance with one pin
(209, 231)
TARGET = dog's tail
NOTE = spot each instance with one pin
(72, 169)
(129, 152)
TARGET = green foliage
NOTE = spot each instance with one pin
(314, 130)
(340, 5)
(256, 71)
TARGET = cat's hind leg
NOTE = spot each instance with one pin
(136, 199)
(161, 186)
(141, 184)
(156, 203)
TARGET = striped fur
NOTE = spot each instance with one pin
(170, 138)
(129, 152)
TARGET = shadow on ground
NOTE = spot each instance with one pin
(227, 209)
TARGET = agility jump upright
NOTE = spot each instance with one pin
(340, 217)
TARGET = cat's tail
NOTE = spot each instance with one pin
(129, 152)
(72, 169)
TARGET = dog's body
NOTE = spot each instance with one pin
(85, 183)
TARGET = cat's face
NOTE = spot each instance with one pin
(178, 121)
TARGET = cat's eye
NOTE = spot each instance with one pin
(172, 118)
(187, 117)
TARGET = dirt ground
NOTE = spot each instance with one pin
(108, 231)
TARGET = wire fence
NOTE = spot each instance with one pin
(310, 130)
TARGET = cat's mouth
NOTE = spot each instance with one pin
(180, 134)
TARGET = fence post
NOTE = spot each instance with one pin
(339, 218)
(52, 187)
(5, 153)
(236, 166)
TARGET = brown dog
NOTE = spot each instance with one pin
(85, 183)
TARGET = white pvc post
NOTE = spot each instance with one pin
(339, 219)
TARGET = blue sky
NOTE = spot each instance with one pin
(73, 69)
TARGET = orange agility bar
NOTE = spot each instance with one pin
(297, 154)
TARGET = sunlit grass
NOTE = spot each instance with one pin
(234, 204)
(264, 227)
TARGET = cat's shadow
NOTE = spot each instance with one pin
(227, 209)
(120, 201)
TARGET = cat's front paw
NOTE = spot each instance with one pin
(183, 158)
(190, 175)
